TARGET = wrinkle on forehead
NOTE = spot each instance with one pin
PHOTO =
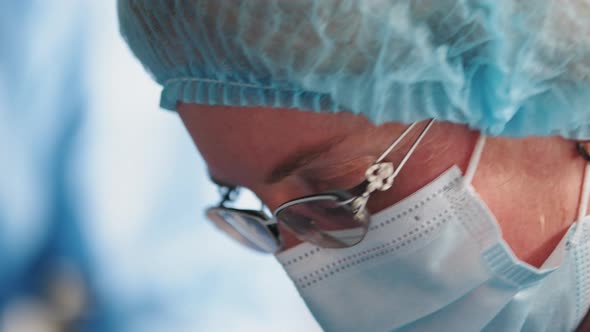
(300, 159)
(244, 145)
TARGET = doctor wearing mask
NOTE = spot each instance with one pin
(424, 161)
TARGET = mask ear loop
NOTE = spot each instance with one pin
(585, 196)
(475, 159)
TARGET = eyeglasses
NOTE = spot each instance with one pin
(336, 219)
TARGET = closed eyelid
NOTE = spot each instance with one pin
(301, 159)
(342, 174)
(334, 169)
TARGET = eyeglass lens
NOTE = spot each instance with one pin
(246, 227)
(324, 222)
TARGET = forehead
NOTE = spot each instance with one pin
(241, 145)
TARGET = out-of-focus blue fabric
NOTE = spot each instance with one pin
(43, 101)
(90, 182)
(506, 67)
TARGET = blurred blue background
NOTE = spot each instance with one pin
(102, 194)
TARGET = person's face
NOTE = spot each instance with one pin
(285, 154)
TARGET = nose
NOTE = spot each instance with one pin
(273, 196)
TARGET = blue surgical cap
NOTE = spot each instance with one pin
(505, 67)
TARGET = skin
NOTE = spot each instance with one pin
(531, 185)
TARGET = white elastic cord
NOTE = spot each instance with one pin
(583, 207)
(413, 148)
(475, 158)
(395, 143)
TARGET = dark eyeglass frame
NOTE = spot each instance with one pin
(379, 177)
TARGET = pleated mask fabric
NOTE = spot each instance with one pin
(505, 67)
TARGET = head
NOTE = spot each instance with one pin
(367, 68)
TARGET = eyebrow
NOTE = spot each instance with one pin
(299, 159)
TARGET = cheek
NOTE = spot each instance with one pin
(289, 240)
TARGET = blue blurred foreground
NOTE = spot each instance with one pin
(101, 194)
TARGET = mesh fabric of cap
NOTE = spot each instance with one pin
(505, 67)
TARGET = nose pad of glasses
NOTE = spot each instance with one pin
(247, 227)
(324, 221)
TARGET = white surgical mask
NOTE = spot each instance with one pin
(436, 261)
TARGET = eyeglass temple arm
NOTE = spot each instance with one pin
(392, 146)
(400, 138)
(413, 148)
